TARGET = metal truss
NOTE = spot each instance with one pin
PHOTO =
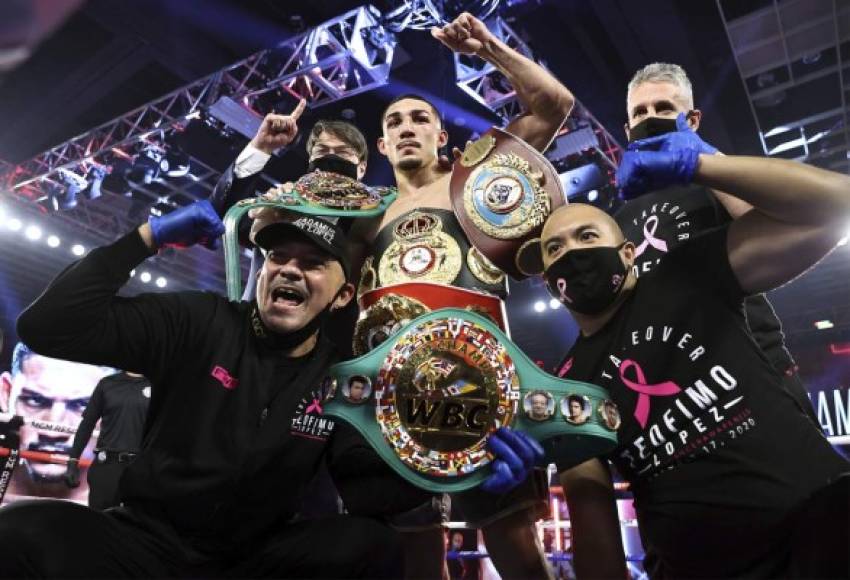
(487, 85)
(344, 56)
(484, 82)
(423, 14)
(782, 49)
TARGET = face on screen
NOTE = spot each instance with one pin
(54, 391)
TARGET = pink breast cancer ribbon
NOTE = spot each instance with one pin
(314, 406)
(644, 390)
(562, 290)
(649, 239)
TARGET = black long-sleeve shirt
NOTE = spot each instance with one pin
(234, 432)
(122, 401)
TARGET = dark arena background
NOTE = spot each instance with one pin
(111, 112)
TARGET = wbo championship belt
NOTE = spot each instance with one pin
(427, 398)
(321, 193)
(502, 190)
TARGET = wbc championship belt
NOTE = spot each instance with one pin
(502, 190)
(427, 398)
(320, 193)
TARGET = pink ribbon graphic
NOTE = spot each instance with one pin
(566, 368)
(314, 406)
(562, 290)
(645, 390)
(649, 238)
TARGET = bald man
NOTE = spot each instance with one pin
(729, 477)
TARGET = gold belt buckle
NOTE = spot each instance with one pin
(442, 388)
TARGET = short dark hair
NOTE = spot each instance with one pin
(415, 97)
(21, 353)
(342, 130)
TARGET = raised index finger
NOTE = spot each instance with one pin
(299, 108)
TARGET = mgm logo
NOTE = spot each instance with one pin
(444, 387)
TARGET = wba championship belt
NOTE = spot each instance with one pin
(420, 250)
(502, 191)
(320, 193)
(428, 397)
(384, 311)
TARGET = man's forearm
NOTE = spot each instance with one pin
(784, 190)
(82, 436)
(598, 545)
(68, 320)
(536, 88)
(547, 101)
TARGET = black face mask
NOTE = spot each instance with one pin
(652, 127)
(587, 280)
(334, 164)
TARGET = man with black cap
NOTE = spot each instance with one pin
(235, 427)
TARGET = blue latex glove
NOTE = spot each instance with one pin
(195, 223)
(643, 171)
(516, 454)
(682, 138)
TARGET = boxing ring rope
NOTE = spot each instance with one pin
(43, 457)
(552, 556)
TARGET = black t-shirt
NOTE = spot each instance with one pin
(661, 220)
(709, 442)
(122, 402)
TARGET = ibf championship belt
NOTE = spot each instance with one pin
(384, 311)
(428, 397)
(502, 191)
(321, 193)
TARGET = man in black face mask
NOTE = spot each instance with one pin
(660, 220)
(235, 428)
(730, 477)
(333, 145)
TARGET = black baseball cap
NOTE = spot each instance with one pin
(325, 234)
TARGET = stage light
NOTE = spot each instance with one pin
(53, 241)
(539, 306)
(132, 272)
(175, 163)
(33, 233)
(78, 249)
(145, 168)
(824, 324)
(161, 282)
(74, 184)
(162, 207)
(95, 178)
(554, 303)
(592, 195)
(15, 224)
(145, 277)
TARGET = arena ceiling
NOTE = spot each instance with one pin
(107, 58)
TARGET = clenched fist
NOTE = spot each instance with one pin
(465, 34)
(278, 131)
